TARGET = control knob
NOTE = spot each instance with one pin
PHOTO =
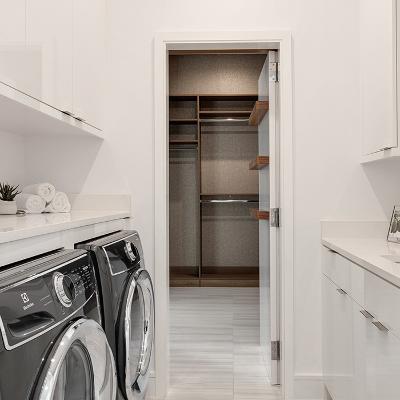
(64, 288)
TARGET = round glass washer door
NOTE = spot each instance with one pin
(80, 367)
(138, 334)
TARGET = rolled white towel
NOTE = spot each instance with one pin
(45, 190)
(30, 203)
(60, 204)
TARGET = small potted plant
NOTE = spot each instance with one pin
(8, 205)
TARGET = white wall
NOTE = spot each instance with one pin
(12, 163)
(329, 181)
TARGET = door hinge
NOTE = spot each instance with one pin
(274, 71)
(276, 350)
(275, 217)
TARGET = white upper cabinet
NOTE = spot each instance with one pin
(54, 52)
(89, 60)
(13, 52)
(378, 54)
(49, 36)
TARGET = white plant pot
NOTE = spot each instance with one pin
(8, 207)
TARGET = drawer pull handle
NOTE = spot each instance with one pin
(380, 326)
(366, 314)
(341, 291)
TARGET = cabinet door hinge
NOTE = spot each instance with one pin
(274, 71)
(274, 217)
(276, 350)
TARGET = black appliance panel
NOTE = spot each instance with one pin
(35, 304)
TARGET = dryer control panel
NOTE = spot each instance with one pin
(36, 296)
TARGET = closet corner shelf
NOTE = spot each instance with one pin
(260, 162)
(259, 214)
(258, 113)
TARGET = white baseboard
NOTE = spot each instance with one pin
(308, 387)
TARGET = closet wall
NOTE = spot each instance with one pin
(213, 243)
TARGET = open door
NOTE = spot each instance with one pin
(268, 142)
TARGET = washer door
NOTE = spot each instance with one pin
(138, 333)
(80, 367)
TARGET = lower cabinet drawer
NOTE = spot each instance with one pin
(376, 355)
(336, 268)
(382, 300)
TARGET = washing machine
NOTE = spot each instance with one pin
(53, 346)
(127, 301)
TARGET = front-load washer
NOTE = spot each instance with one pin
(127, 300)
(53, 346)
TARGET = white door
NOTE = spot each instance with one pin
(268, 145)
(274, 202)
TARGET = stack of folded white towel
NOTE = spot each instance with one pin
(42, 197)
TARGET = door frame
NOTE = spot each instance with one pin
(164, 42)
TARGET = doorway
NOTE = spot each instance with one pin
(281, 238)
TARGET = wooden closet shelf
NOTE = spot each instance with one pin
(259, 214)
(230, 276)
(183, 97)
(258, 113)
(260, 162)
(188, 121)
(184, 276)
(224, 113)
(178, 142)
(215, 280)
(226, 196)
(217, 96)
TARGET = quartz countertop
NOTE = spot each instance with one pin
(369, 253)
(16, 227)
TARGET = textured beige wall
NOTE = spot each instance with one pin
(230, 236)
(215, 74)
(183, 208)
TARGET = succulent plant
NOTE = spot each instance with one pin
(8, 192)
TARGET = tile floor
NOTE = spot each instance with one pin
(214, 346)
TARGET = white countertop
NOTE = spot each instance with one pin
(14, 227)
(368, 253)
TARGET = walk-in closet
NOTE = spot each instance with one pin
(218, 169)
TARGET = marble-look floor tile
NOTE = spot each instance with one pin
(214, 346)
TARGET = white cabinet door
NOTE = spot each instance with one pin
(377, 360)
(89, 60)
(378, 74)
(13, 52)
(338, 342)
(49, 36)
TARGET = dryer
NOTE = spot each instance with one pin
(127, 300)
(53, 346)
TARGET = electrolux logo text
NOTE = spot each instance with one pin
(26, 300)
